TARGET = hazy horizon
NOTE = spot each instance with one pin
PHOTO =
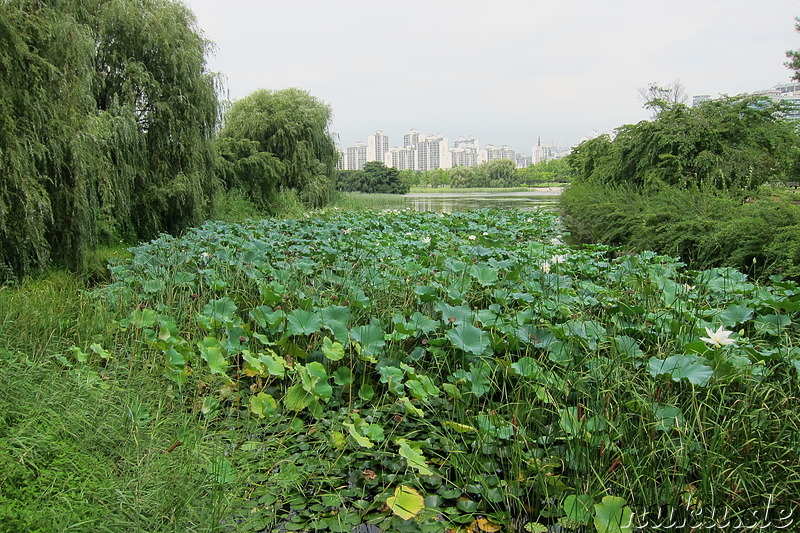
(505, 73)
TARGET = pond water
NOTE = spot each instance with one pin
(455, 202)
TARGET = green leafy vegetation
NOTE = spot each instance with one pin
(276, 141)
(729, 144)
(497, 174)
(701, 183)
(375, 178)
(332, 372)
(106, 121)
(755, 232)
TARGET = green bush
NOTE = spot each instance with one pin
(705, 228)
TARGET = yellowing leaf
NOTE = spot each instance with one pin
(414, 457)
(459, 428)
(484, 525)
(535, 527)
(262, 404)
(406, 502)
(332, 350)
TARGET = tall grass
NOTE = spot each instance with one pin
(359, 201)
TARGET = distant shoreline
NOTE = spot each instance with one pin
(439, 193)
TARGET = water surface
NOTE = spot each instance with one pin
(448, 202)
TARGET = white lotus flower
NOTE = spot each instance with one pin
(426, 240)
(721, 337)
(559, 258)
(472, 237)
(545, 266)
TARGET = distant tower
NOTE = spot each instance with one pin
(356, 156)
(412, 138)
(377, 146)
(541, 152)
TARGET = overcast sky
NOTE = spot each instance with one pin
(504, 71)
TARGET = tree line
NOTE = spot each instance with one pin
(493, 174)
(703, 183)
(111, 130)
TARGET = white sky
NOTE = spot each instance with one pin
(504, 71)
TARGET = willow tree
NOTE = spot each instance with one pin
(106, 121)
(45, 96)
(736, 143)
(151, 70)
(293, 127)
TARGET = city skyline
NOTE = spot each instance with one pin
(421, 151)
(396, 140)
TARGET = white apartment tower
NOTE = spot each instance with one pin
(464, 157)
(400, 158)
(465, 152)
(412, 138)
(523, 160)
(433, 152)
(356, 156)
(492, 153)
(467, 142)
(377, 146)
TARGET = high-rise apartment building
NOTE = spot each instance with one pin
(400, 158)
(464, 157)
(784, 92)
(467, 142)
(433, 152)
(492, 153)
(356, 156)
(523, 160)
(412, 138)
(465, 152)
(429, 152)
(377, 146)
(788, 93)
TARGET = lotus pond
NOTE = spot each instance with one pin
(414, 371)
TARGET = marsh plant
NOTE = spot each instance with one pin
(424, 372)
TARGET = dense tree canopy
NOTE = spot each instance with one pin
(553, 170)
(106, 122)
(497, 173)
(375, 178)
(292, 126)
(731, 143)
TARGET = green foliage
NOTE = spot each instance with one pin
(729, 144)
(551, 171)
(473, 357)
(794, 57)
(494, 174)
(376, 178)
(248, 171)
(755, 232)
(326, 373)
(76, 447)
(279, 139)
(106, 118)
(356, 201)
